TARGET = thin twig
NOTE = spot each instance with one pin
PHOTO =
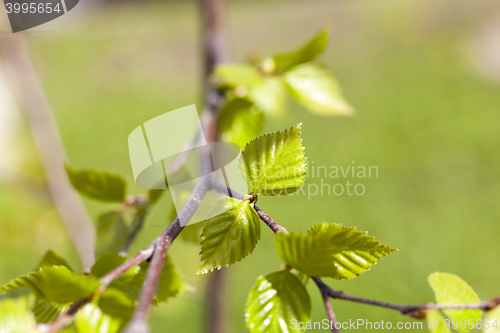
(16, 56)
(142, 209)
(329, 308)
(409, 310)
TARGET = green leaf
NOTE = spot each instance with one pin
(46, 312)
(15, 316)
(55, 284)
(451, 289)
(306, 53)
(234, 75)
(91, 319)
(171, 282)
(269, 96)
(314, 87)
(330, 250)
(112, 232)
(275, 301)
(240, 122)
(106, 263)
(98, 185)
(493, 319)
(274, 164)
(155, 195)
(436, 322)
(117, 304)
(229, 236)
(50, 258)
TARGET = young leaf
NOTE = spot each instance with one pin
(269, 96)
(234, 75)
(91, 319)
(15, 316)
(98, 185)
(317, 90)
(493, 318)
(105, 263)
(112, 232)
(55, 284)
(451, 289)
(275, 301)
(46, 312)
(436, 322)
(240, 122)
(155, 195)
(50, 258)
(171, 282)
(230, 236)
(306, 53)
(330, 250)
(274, 164)
(117, 304)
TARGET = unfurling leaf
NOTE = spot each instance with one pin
(436, 322)
(306, 53)
(274, 164)
(275, 302)
(55, 284)
(317, 90)
(112, 232)
(451, 289)
(240, 122)
(98, 185)
(15, 316)
(230, 236)
(330, 250)
(50, 258)
(91, 319)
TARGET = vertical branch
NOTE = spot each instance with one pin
(215, 52)
(30, 93)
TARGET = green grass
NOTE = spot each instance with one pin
(424, 118)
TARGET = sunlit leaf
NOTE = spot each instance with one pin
(274, 164)
(436, 322)
(99, 185)
(269, 96)
(306, 53)
(315, 88)
(112, 232)
(50, 258)
(240, 122)
(55, 284)
(451, 289)
(46, 312)
(235, 75)
(330, 250)
(15, 316)
(229, 236)
(91, 319)
(275, 301)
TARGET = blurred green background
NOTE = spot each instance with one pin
(426, 116)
